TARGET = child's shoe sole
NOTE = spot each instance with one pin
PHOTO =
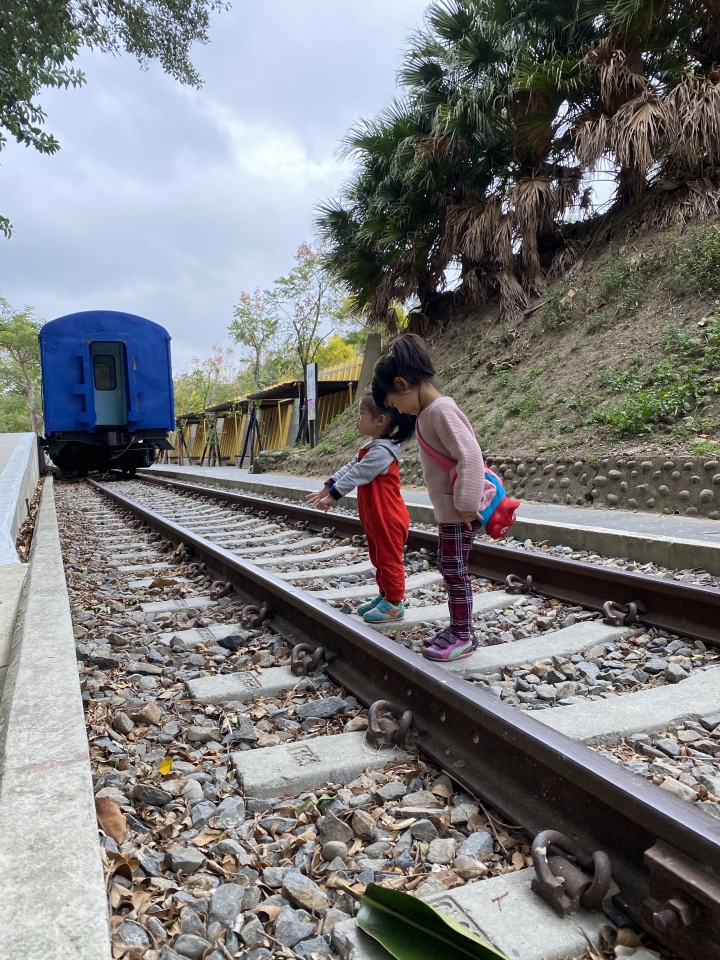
(383, 616)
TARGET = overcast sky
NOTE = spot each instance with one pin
(168, 202)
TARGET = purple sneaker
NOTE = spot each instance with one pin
(447, 632)
(446, 646)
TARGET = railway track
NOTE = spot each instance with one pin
(217, 644)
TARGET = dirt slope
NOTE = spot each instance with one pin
(619, 357)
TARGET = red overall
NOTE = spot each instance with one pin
(386, 521)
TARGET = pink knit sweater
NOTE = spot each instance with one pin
(448, 430)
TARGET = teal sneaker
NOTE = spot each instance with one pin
(385, 612)
(370, 604)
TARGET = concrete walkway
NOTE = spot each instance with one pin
(675, 542)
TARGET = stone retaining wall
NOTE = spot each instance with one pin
(683, 485)
(672, 485)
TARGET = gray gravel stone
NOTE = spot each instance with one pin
(305, 892)
(315, 946)
(230, 812)
(133, 935)
(185, 859)
(670, 747)
(252, 933)
(122, 722)
(203, 734)
(201, 813)
(290, 928)
(363, 825)
(273, 876)
(331, 828)
(190, 946)
(424, 830)
(323, 709)
(442, 851)
(226, 903)
(478, 845)
(393, 790)
(333, 849)
(151, 796)
(674, 673)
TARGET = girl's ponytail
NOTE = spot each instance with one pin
(408, 358)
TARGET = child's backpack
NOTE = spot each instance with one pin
(499, 515)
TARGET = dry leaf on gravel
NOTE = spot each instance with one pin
(111, 818)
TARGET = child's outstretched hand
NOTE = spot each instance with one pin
(320, 500)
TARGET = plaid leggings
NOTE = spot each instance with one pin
(454, 542)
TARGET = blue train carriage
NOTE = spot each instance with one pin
(107, 391)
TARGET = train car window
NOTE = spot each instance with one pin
(104, 369)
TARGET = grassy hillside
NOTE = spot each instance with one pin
(619, 356)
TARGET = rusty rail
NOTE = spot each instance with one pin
(662, 851)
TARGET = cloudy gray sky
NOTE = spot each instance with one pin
(167, 202)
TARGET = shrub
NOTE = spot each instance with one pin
(697, 269)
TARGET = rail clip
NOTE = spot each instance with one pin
(562, 884)
(304, 659)
(384, 732)
(515, 584)
(617, 615)
(221, 589)
(253, 616)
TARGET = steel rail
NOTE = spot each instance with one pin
(536, 777)
(681, 608)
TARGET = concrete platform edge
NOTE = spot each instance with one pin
(664, 551)
(17, 484)
(53, 902)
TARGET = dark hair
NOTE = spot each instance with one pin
(407, 357)
(401, 426)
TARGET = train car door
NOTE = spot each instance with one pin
(109, 383)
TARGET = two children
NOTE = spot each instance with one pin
(383, 514)
(462, 490)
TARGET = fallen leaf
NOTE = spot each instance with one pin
(111, 818)
(165, 766)
(518, 860)
(206, 837)
(412, 930)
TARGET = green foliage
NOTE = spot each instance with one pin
(19, 367)
(335, 352)
(668, 390)
(619, 380)
(697, 268)
(410, 929)
(558, 312)
(254, 327)
(525, 405)
(209, 382)
(39, 39)
(623, 281)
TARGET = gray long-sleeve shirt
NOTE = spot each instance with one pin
(378, 459)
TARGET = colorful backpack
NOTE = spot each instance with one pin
(499, 515)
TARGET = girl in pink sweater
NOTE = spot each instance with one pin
(462, 491)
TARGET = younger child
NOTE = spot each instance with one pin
(461, 489)
(383, 514)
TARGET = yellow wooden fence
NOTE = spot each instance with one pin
(274, 421)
